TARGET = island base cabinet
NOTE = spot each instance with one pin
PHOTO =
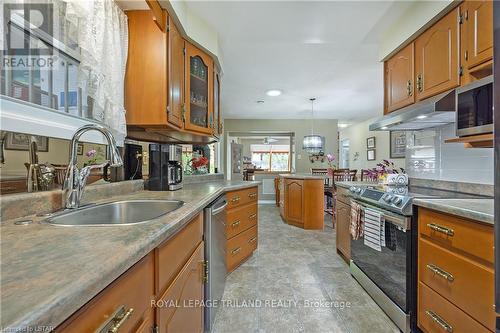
(180, 308)
(343, 236)
(126, 302)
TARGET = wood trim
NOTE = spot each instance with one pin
(158, 14)
(474, 141)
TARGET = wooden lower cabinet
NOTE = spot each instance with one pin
(180, 308)
(161, 290)
(242, 218)
(343, 236)
(455, 274)
(303, 200)
(132, 292)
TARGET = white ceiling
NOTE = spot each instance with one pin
(327, 50)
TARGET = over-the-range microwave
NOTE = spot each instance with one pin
(475, 107)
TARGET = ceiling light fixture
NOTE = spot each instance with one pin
(273, 92)
(313, 143)
(384, 127)
(422, 116)
(343, 125)
(260, 102)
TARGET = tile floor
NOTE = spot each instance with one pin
(294, 265)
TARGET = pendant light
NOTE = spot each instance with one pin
(313, 143)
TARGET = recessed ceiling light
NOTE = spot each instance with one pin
(273, 92)
(343, 125)
(422, 117)
(384, 128)
(260, 101)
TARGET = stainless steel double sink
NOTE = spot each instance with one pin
(126, 212)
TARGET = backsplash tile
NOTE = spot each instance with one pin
(428, 157)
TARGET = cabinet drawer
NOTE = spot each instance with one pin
(457, 233)
(467, 284)
(240, 219)
(175, 252)
(240, 247)
(242, 197)
(132, 290)
(435, 312)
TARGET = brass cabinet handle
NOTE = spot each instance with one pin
(447, 327)
(441, 272)
(116, 321)
(253, 239)
(235, 199)
(419, 83)
(252, 195)
(236, 251)
(409, 88)
(251, 217)
(235, 224)
(441, 229)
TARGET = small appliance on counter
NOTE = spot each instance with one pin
(165, 167)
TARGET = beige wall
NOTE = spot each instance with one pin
(301, 127)
(357, 135)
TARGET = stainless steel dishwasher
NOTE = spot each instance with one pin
(215, 255)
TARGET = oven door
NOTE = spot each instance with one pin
(389, 268)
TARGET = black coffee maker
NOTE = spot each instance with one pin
(165, 167)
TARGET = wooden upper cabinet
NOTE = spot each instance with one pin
(437, 57)
(199, 90)
(145, 79)
(217, 123)
(478, 21)
(159, 15)
(175, 76)
(399, 79)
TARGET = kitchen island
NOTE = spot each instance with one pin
(302, 200)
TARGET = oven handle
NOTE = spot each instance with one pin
(399, 220)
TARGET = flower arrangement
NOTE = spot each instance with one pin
(330, 159)
(95, 157)
(385, 168)
(199, 165)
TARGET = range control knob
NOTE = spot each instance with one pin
(352, 189)
(387, 198)
(397, 201)
(358, 190)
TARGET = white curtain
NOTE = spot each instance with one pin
(101, 31)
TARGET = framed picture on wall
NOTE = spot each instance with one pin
(19, 141)
(370, 143)
(370, 155)
(79, 149)
(398, 144)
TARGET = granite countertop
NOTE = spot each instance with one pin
(48, 272)
(474, 209)
(301, 176)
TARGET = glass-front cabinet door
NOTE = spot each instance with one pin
(217, 112)
(199, 87)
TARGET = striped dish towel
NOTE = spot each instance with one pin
(356, 225)
(374, 229)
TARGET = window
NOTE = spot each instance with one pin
(272, 158)
(53, 81)
(197, 151)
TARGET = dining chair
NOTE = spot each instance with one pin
(327, 182)
(368, 176)
(340, 175)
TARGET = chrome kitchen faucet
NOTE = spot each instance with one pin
(75, 179)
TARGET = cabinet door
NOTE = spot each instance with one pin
(437, 57)
(399, 74)
(217, 122)
(177, 310)
(176, 76)
(479, 26)
(145, 79)
(343, 213)
(199, 87)
(294, 200)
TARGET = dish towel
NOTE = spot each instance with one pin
(374, 229)
(356, 226)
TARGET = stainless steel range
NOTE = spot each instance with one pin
(389, 272)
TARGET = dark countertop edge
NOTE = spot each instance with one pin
(439, 205)
(73, 301)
